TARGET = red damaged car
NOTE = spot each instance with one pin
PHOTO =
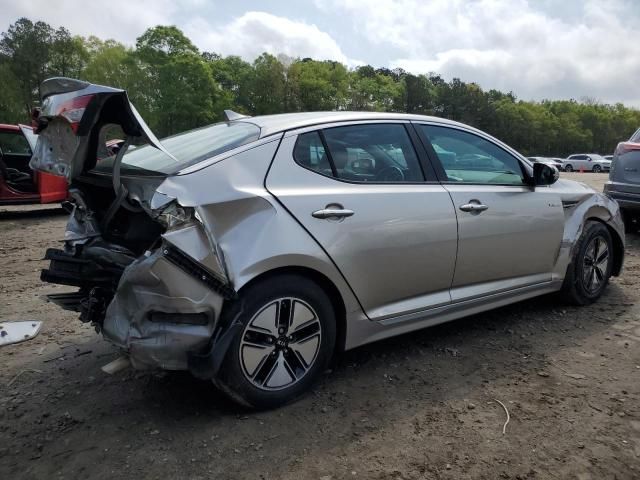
(18, 183)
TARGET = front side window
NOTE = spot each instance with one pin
(379, 153)
(468, 158)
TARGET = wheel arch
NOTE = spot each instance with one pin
(324, 282)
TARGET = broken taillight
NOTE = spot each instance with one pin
(626, 147)
(73, 110)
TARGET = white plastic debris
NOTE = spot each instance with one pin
(16, 332)
(118, 364)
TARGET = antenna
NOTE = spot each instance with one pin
(230, 115)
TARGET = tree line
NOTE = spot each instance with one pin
(177, 87)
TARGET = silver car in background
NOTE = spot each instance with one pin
(589, 162)
(251, 251)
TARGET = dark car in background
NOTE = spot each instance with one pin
(624, 180)
(18, 183)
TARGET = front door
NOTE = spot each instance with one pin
(509, 233)
(360, 191)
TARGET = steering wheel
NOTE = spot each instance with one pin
(390, 173)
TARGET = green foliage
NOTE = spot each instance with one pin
(175, 87)
(26, 47)
(316, 85)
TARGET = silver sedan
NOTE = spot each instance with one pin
(251, 251)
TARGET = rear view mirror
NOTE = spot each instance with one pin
(545, 174)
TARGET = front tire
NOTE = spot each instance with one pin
(588, 274)
(286, 342)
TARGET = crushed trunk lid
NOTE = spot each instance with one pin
(69, 123)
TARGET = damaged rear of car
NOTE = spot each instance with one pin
(150, 275)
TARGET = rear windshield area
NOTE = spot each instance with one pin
(635, 137)
(188, 148)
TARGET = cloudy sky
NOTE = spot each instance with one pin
(535, 48)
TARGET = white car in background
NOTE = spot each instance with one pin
(591, 162)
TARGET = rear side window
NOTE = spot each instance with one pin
(309, 152)
(635, 137)
(379, 153)
(468, 158)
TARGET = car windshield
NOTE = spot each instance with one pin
(188, 149)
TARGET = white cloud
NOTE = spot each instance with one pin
(509, 45)
(536, 48)
(123, 20)
(256, 32)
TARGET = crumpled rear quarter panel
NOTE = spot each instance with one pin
(153, 284)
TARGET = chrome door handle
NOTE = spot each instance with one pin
(332, 213)
(473, 207)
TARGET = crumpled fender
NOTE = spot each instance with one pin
(581, 203)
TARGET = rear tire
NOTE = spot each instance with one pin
(590, 268)
(286, 342)
(597, 169)
(568, 168)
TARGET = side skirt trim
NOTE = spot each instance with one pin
(461, 307)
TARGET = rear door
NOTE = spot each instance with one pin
(360, 191)
(509, 233)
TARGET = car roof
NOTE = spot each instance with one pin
(271, 124)
(6, 126)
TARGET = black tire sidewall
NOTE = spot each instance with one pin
(568, 168)
(592, 230)
(231, 375)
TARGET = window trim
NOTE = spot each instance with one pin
(320, 129)
(524, 164)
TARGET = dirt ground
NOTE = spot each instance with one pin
(422, 405)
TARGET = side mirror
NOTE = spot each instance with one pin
(544, 174)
